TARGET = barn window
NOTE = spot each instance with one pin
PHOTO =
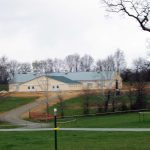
(29, 87)
(32, 87)
(57, 86)
(89, 84)
(53, 86)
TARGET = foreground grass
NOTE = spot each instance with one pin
(75, 106)
(3, 87)
(8, 103)
(129, 120)
(6, 125)
(70, 140)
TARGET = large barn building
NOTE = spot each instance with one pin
(67, 81)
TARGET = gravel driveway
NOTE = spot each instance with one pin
(14, 116)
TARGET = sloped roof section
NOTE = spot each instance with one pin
(63, 79)
(21, 78)
(87, 76)
(70, 77)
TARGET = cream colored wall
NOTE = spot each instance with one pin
(107, 84)
(44, 84)
(99, 84)
(13, 87)
(41, 83)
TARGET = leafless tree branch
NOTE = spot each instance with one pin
(136, 9)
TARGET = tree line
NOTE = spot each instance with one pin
(76, 63)
(71, 63)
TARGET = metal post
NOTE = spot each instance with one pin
(29, 114)
(55, 127)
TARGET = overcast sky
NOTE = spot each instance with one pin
(40, 29)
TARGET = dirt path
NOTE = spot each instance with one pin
(15, 116)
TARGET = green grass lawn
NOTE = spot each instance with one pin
(6, 125)
(3, 87)
(70, 140)
(129, 120)
(73, 106)
(8, 103)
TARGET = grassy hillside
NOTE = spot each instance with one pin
(129, 120)
(8, 103)
(96, 104)
(74, 106)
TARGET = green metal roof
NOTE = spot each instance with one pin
(70, 77)
(86, 76)
(63, 79)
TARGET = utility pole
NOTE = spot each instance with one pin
(55, 127)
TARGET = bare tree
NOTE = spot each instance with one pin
(86, 63)
(13, 67)
(70, 62)
(126, 75)
(24, 68)
(119, 60)
(108, 64)
(99, 65)
(49, 65)
(39, 66)
(58, 65)
(43, 66)
(120, 65)
(76, 62)
(73, 62)
(61, 105)
(139, 10)
(4, 70)
(139, 64)
(131, 95)
(36, 66)
(140, 87)
(106, 102)
(114, 62)
(86, 95)
(140, 74)
(99, 100)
